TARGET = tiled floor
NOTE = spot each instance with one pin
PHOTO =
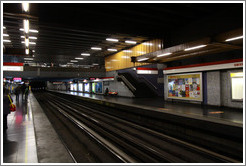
(227, 114)
(19, 144)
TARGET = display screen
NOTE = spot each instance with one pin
(93, 87)
(185, 86)
(87, 87)
(237, 86)
(81, 87)
(73, 87)
(99, 87)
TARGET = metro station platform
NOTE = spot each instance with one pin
(30, 137)
(210, 112)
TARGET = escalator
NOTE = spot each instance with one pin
(139, 87)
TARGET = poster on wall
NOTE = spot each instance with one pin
(87, 87)
(185, 86)
(93, 87)
(81, 87)
(99, 87)
(73, 87)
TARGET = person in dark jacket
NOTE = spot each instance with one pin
(23, 88)
(17, 92)
(6, 108)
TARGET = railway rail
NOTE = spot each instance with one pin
(91, 135)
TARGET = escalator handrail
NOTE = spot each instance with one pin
(129, 85)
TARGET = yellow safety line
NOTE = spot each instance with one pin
(26, 137)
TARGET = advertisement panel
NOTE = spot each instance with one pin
(87, 87)
(81, 87)
(185, 86)
(99, 87)
(73, 87)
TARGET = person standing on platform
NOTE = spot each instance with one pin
(6, 107)
(17, 93)
(23, 88)
(26, 93)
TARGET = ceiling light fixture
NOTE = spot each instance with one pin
(26, 42)
(148, 44)
(96, 48)
(25, 6)
(5, 35)
(143, 59)
(113, 40)
(30, 30)
(196, 47)
(141, 52)
(31, 43)
(85, 54)
(26, 26)
(30, 59)
(95, 64)
(234, 38)
(6, 41)
(125, 57)
(130, 42)
(79, 58)
(111, 49)
(27, 51)
(30, 37)
(33, 50)
(165, 54)
(4, 27)
(128, 51)
(74, 61)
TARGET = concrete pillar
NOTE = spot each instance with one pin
(213, 88)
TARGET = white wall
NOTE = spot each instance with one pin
(213, 88)
(119, 87)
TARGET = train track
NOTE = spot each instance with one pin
(100, 137)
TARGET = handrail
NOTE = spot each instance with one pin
(132, 88)
(149, 83)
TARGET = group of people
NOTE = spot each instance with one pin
(7, 100)
(21, 89)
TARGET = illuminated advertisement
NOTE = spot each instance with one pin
(81, 87)
(99, 87)
(237, 86)
(16, 79)
(73, 87)
(87, 87)
(185, 86)
(93, 88)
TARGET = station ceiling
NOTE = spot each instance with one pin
(65, 30)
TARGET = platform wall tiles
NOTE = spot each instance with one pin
(120, 87)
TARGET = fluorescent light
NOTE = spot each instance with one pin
(95, 64)
(4, 27)
(6, 41)
(114, 60)
(111, 49)
(141, 52)
(30, 30)
(79, 58)
(148, 44)
(33, 30)
(26, 42)
(5, 35)
(125, 57)
(196, 47)
(127, 51)
(30, 59)
(130, 42)
(25, 6)
(69, 63)
(74, 61)
(96, 48)
(30, 37)
(26, 26)
(33, 50)
(143, 59)
(27, 51)
(234, 38)
(113, 40)
(165, 54)
(85, 54)
(31, 43)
